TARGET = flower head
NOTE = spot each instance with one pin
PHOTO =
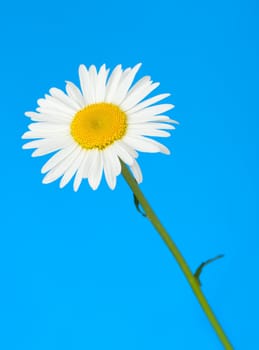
(93, 129)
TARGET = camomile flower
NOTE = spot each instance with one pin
(99, 129)
(95, 128)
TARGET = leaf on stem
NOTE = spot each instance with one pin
(137, 205)
(202, 265)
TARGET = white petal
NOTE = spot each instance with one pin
(92, 84)
(146, 103)
(32, 144)
(150, 125)
(125, 84)
(61, 167)
(50, 145)
(136, 171)
(80, 172)
(109, 169)
(30, 135)
(163, 148)
(112, 156)
(128, 148)
(113, 83)
(149, 129)
(122, 153)
(84, 82)
(50, 115)
(141, 84)
(65, 99)
(150, 118)
(50, 148)
(147, 132)
(145, 144)
(58, 157)
(109, 175)
(151, 111)
(32, 115)
(140, 144)
(138, 92)
(96, 169)
(46, 126)
(70, 172)
(44, 134)
(52, 103)
(52, 118)
(46, 130)
(100, 83)
(88, 164)
(74, 92)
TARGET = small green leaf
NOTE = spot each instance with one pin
(137, 205)
(202, 265)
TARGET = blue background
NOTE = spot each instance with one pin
(85, 270)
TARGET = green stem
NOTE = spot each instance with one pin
(193, 282)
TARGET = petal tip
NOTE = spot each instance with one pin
(44, 181)
(166, 151)
(75, 188)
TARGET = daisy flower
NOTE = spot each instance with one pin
(95, 128)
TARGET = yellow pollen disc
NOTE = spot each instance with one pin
(98, 125)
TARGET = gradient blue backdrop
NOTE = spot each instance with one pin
(85, 270)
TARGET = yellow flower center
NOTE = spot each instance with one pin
(98, 125)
